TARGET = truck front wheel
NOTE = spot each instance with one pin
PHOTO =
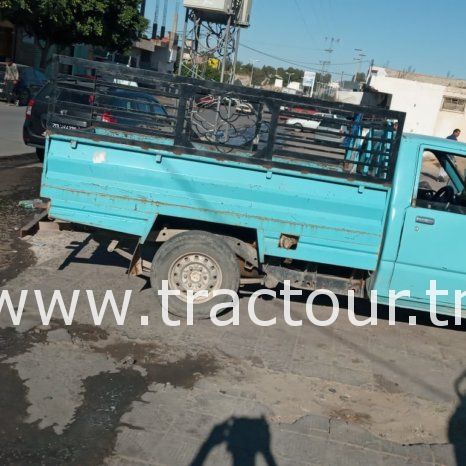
(196, 261)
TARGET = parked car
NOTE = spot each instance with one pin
(31, 80)
(244, 108)
(301, 124)
(322, 126)
(206, 101)
(332, 129)
(210, 101)
(128, 107)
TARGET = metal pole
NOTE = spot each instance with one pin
(235, 60)
(164, 19)
(174, 32)
(225, 49)
(156, 19)
(313, 86)
(195, 57)
(183, 44)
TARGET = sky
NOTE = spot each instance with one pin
(426, 36)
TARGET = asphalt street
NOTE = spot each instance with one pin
(11, 126)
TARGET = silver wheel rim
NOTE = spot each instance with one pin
(196, 272)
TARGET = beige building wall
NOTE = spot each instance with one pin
(425, 100)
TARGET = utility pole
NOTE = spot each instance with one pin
(289, 77)
(156, 19)
(174, 32)
(333, 41)
(369, 72)
(211, 33)
(358, 59)
(235, 58)
(225, 48)
(252, 70)
(164, 19)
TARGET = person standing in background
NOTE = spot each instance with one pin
(442, 176)
(11, 79)
(455, 135)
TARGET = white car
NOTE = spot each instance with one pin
(300, 124)
(244, 108)
(311, 123)
(319, 122)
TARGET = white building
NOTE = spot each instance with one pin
(434, 106)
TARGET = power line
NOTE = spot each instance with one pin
(317, 17)
(270, 44)
(296, 62)
(309, 66)
(303, 19)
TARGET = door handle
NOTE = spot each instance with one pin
(425, 220)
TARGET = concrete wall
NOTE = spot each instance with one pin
(349, 97)
(448, 120)
(423, 103)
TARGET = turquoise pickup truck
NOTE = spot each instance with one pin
(233, 197)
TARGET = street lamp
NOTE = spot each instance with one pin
(358, 59)
(252, 68)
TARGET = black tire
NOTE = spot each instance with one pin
(298, 127)
(210, 251)
(40, 154)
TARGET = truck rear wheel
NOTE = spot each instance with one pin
(195, 261)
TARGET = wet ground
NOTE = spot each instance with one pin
(91, 435)
(19, 180)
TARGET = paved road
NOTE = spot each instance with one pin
(154, 395)
(11, 127)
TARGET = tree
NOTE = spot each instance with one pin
(360, 77)
(113, 24)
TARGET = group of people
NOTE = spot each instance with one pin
(10, 80)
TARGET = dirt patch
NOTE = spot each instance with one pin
(183, 373)
(86, 332)
(350, 416)
(386, 385)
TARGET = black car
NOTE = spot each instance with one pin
(31, 80)
(78, 107)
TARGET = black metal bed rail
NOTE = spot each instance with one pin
(107, 101)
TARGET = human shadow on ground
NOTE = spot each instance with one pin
(457, 425)
(245, 438)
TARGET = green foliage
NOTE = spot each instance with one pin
(113, 24)
(267, 74)
(361, 77)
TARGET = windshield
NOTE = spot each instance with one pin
(134, 101)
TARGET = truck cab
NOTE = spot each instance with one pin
(427, 223)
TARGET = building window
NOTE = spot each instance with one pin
(453, 104)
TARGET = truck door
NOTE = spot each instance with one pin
(434, 234)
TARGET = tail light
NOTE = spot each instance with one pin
(31, 104)
(107, 117)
